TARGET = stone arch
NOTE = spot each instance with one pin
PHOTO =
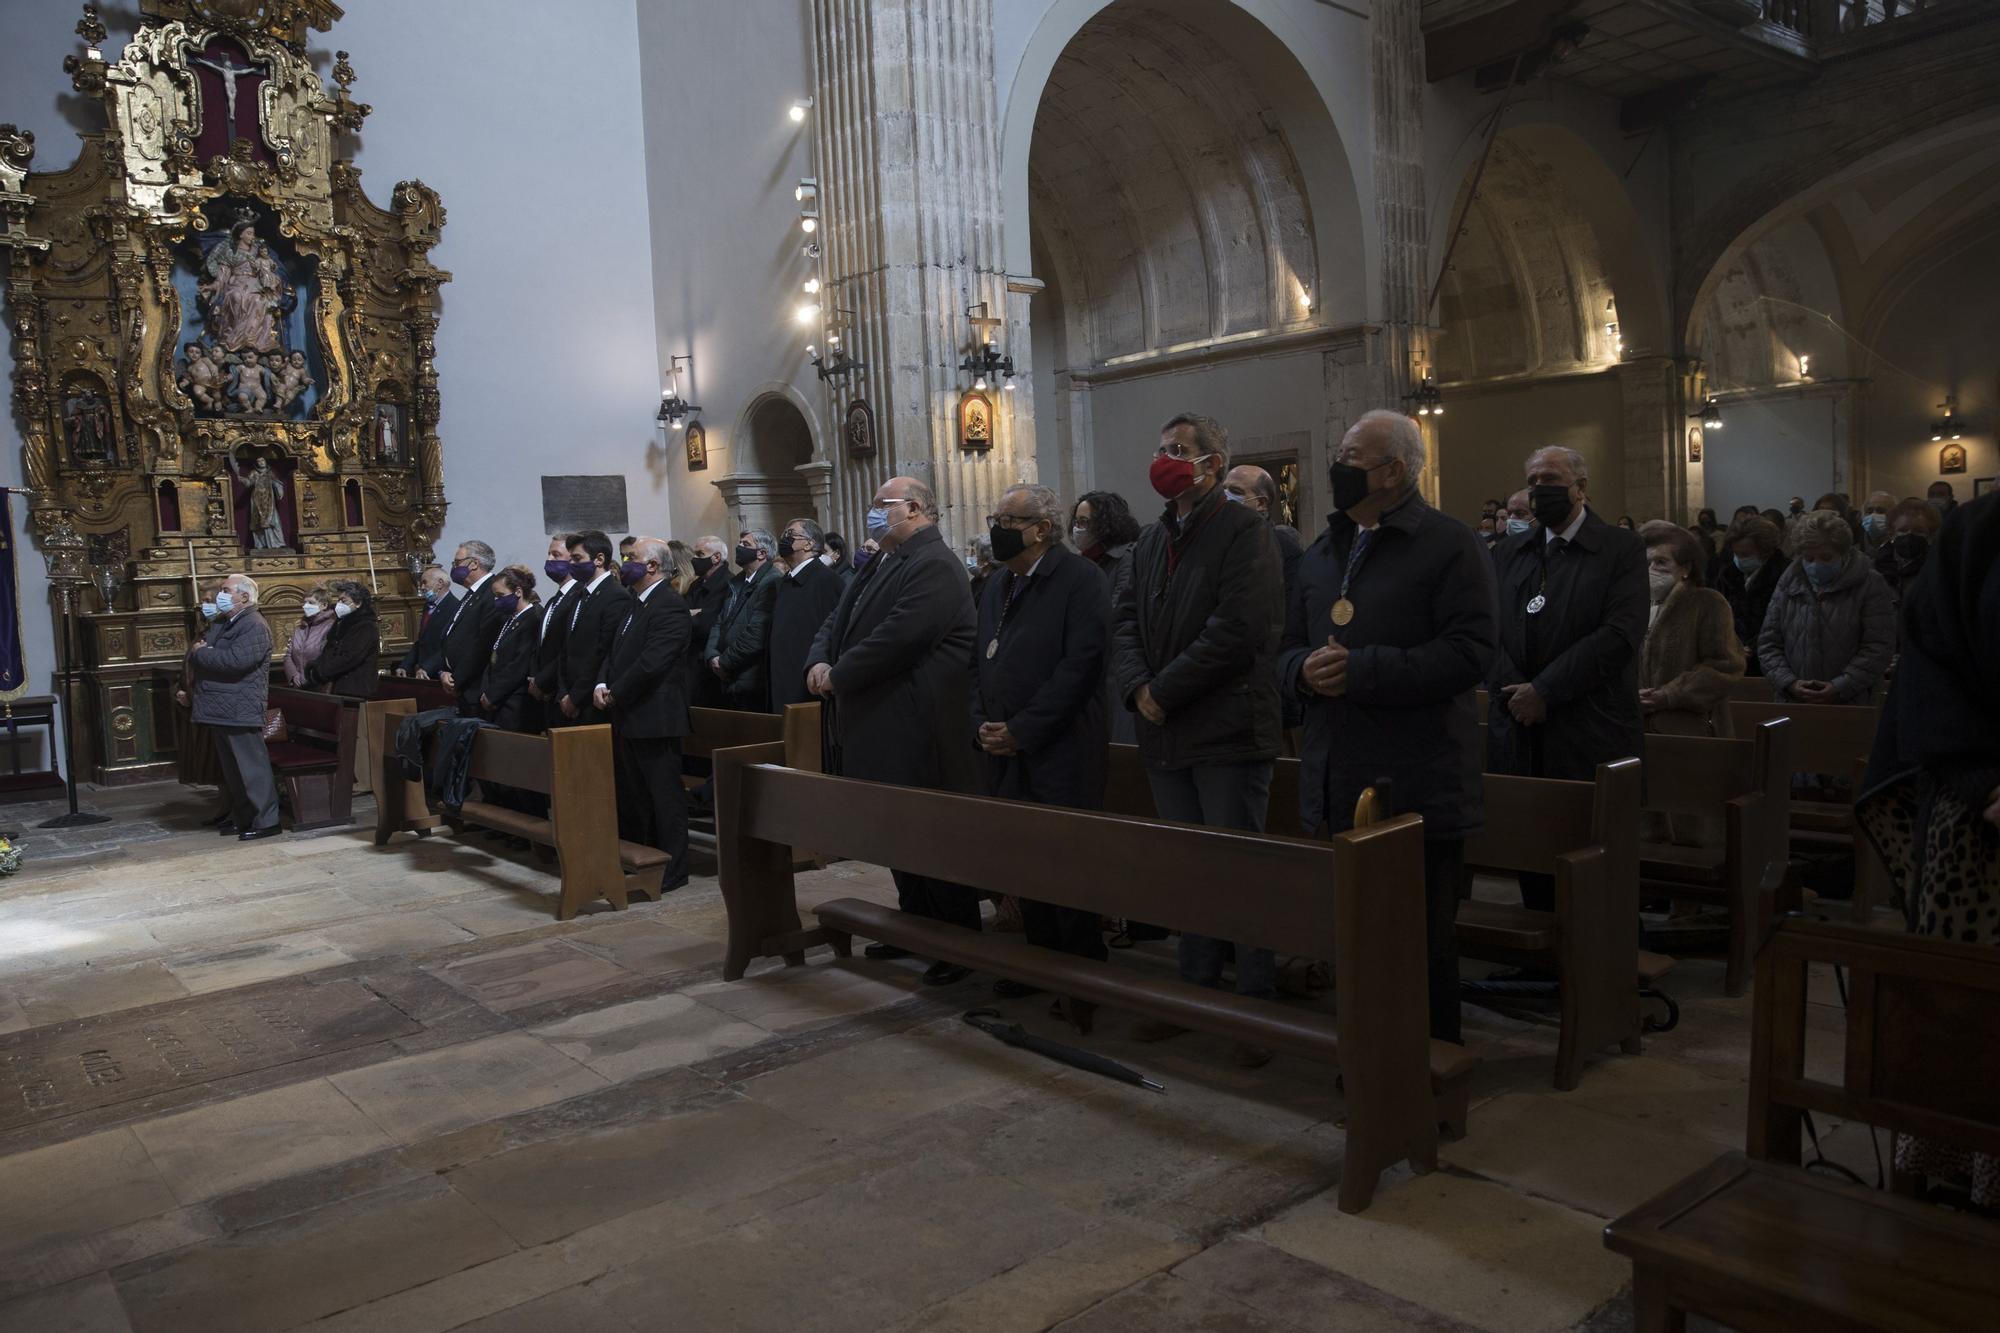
(777, 459)
(1303, 111)
(1552, 251)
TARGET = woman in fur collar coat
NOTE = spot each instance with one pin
(1691, 656)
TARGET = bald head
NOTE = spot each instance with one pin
(911, 506)
(1249, 484)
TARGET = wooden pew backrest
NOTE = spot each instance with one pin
(1128, 792)
(1923, 1038)
(1825, 738)
(712, 729)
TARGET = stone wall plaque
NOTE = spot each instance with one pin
(579, 504)
(66, 1068)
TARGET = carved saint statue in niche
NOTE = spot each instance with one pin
(87, 425)
(263, 491)
(242, 292)
(978, 430)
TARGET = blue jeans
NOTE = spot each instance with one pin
(1235, 796)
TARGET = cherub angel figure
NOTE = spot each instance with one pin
(292, 380)
(203, 379)
(250, 384)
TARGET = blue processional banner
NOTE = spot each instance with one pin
(13, 662)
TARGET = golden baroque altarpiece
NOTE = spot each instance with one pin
(223, 351)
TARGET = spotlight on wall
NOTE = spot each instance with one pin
(807, 188)
(674, 409)
(812, 286)
(807, 312)
(1948, 426)
(810, 250)
(1305, 298)
(1710, 415)
(1805, 365)
(799, 109)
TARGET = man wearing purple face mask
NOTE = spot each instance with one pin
(598, 608)
(468, 644)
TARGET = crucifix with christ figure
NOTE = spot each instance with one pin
(231, 75)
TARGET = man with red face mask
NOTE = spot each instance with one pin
(1195, 631)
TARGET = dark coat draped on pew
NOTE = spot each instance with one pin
(1045, 680)
(900, 646)
(508, 704)
(805, 597)
(469, 642)
(1421, 640)
(1580, 651)
(349, 662)
(593, 619)
(1206, 643)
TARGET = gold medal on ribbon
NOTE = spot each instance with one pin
(1343, 611)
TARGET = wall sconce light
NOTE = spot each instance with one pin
(674, 409)
(1710, 415)
(1948, 426)
(807, 312)
(799, 109)
(1805, 365)
(836, 364)
(984, 363)
(1305, 298)
(811, 286)
(1426, 400)
(807, 188)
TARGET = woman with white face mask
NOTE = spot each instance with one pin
(349, 662)
(1691, 656)
(315, 623)
(1830, 632)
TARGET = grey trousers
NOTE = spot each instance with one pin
(247, 784)
(1236, 796)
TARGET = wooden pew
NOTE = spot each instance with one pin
(712, 729)
(1585, 834)
(1756, 1242)
(1357, 900)
(572, 766)
(1746, 785)
(315, 763)
(426, 693)
(1836, 739)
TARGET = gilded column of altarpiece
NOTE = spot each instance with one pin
(224, 353)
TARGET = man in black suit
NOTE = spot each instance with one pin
(597, 609)
(806, 596)
(468, 643)
(425, 657)
(643, 694)
(706, 601)
(895, 659)
(1038, 705)
(1573, 604)
(739, 643)
(552, 625)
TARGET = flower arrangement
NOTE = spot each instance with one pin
(10, 857)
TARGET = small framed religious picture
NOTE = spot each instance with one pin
(1951, 458)
(1694, 444)
(388, 435)
(857, 428)
(975, 420)
(697, 446)
(1984, 486)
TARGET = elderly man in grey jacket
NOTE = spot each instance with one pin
(230, 675)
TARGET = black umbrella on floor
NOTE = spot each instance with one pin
(990, 1022)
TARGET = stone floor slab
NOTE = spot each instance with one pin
(789, 999)
(261, 960)
(1541, 1145)
(421, 1095)
(56, 997)
(641, 1036)
(867, 1089)
(46, 1263)
(285, 1274)
(1163, 1301)
(530, 974)
(216, 1149)
(1467, 1249)
(89, 1305)
(649, 948)
(76, 1189)
(394, 934)
(1304, 1295)
(1055, 1284)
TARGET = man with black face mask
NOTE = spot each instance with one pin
(1573, 603)
(706, 599)
(739, 643)
(1388, 635)
(1913, 526)
(805, 597)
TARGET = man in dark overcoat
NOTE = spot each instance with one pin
(643, 693)
(895, 663)
(1387, 637)
(805, 596)
(1563, 696)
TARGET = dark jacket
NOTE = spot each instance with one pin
(594, 618)
(1421, 641)
(349, 662)
(1290, 551)
(1038, 666)
(644, 668)
(230, 673)
(801, 603)
(1581, 651)
(1748, 597)
(900, 645)
(1845, 636)
(469, 642)
(1205, 638)
(552, 632)
(706, 600)
(741, 638)
(447, 777)
(508, 704)
(426, 651)
(1115, 564)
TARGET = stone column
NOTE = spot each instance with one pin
(909, 170)
(1659, 482)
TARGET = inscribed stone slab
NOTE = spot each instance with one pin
(230, 1145)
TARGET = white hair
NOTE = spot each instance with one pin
(1041, 501)
(645, 549)
(713, 545)
(479, 553)
(1578, 468)
(1399, 433)
(244, 583)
